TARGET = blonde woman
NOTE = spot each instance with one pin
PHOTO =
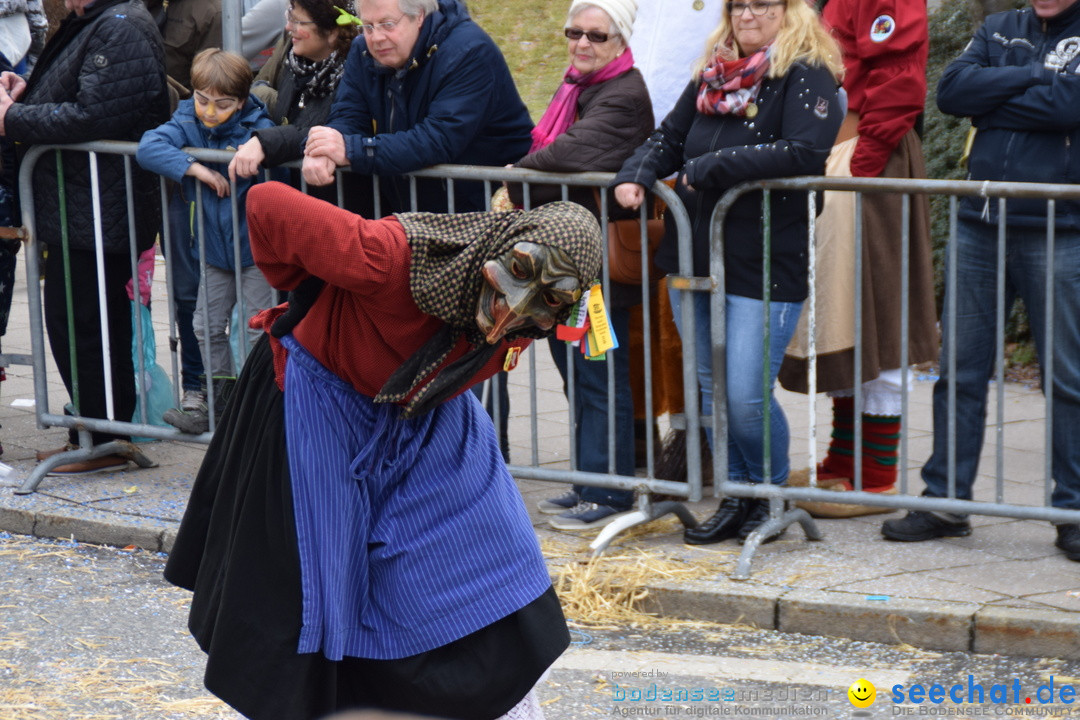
(762, 103)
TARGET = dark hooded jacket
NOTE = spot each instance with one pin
(453, 102)
(100, 77)
(1018, 82)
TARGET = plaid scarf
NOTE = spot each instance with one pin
(730, 86)
(448, 252)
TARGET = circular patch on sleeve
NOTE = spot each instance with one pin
(882, 29)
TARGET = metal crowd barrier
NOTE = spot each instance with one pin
(780, 515)
(685, 281)
(451, 175)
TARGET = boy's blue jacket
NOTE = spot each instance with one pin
(161, 151)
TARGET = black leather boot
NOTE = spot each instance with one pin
(756, 515)
(724, 523)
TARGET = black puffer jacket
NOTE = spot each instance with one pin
(100, 77)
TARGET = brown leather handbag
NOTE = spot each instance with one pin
(624, 247)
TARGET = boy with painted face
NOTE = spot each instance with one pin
(353, 537)
(220, 115)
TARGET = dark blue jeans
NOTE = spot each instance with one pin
(184, 266)
(976, 309)
(591, 412)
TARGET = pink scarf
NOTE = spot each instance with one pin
(730, 86)
(562, 111)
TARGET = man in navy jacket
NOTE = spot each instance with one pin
(1019, 82)
(424, 85)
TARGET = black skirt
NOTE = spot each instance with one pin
(237, 551)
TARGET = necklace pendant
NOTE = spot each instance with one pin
(751, 111)
(300, 103)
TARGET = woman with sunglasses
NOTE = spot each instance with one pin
(599, 115)
(763, 103)
(301, 87)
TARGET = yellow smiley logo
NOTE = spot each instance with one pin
(862, 693)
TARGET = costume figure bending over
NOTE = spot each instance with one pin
(353, 538)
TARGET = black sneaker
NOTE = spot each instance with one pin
(586, 516)
(759, 513)
(917, 526)
(559, 505)
(1068, 539)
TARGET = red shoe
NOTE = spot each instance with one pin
(106, 463)
(46, 454)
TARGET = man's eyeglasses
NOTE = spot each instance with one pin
(290, 19)
(594, 37)
(757, 7)
(386, 26)
(221, 104)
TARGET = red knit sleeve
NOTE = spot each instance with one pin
(890, 45)
(294, 236)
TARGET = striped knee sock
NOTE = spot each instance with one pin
(880, 440)
(840, 459)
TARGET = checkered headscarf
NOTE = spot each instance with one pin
(448, 252)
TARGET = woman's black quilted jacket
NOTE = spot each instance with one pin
(100, 77)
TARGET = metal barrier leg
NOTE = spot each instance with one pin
(778, 520)
(123, 448)
(646, 512)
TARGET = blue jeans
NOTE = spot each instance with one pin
(184, 266)
(976, 309)
(745, 358)
(591, 413)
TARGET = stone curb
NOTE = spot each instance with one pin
(94, 528)
(927, 624)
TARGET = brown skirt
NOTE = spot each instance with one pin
(881, 301)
